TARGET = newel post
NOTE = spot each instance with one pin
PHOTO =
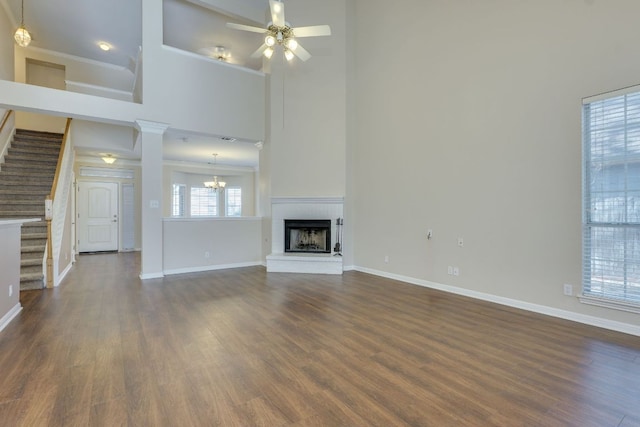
(48, 216)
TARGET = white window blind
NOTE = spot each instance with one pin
(178, 199)
(233, 201)
(204, 202)
(611, 198)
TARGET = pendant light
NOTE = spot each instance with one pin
(22, 36)
(215, 185)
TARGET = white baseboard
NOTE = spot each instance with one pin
(151, 276)
(210, 268)
(536, 308)
(62, 275)
(10, 315)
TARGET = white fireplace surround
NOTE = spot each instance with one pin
(303, 208)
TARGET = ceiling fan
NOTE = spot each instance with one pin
(280, 32)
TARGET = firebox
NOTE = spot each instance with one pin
(307, 235)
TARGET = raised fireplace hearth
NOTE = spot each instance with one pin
(307, 236)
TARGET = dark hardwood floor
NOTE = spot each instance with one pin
(246, 348)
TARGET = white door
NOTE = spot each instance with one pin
(97, 222)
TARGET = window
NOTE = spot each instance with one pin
(611, 199)
(204, 202)
(233, 201)
(177, 199)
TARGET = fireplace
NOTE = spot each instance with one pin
(307, 235)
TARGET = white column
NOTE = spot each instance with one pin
(150, 139)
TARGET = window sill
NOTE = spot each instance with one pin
(610, 303)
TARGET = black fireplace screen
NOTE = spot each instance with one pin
(307, 235)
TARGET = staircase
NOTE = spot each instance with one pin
(26, 177)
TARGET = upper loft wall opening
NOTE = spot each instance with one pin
(69, 32)
(200, 28)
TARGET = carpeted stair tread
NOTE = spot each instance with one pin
(31, 285)
(29, 262)
(26, 148)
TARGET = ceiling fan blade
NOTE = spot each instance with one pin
(313, 31)
(302, 53)
(277, 13)
(258, 53)
(245, 28)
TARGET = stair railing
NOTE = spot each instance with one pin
(4, 144)
(52, 205)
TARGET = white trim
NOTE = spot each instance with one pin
(62, 275)
(99, 89)
(212, 60)
(151, 276)
(210, 218)
(207, 167)
(609, 303)
(106, 172)
(146, 126)
(612, 94)
(294, 200)
(10, 315)
(78, 58)
(536, 308)
(211, 268)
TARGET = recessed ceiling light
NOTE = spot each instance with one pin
(104, 46)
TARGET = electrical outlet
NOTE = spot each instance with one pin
(460, 241)
(386, 258)
(10, 290)
(456, 271)
(207, 254)
(568, 289)
(449, 270)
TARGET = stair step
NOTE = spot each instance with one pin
(51, 150)
(31, 249)
(29, 173)
(7, 201)
(35, 242)
(40, 155)
(31, 236)
(35, 187)
(18, 193)
(21, 215)
(30, 262)
(31, 269)
(31, 285)
(38, 134)
(20, 164)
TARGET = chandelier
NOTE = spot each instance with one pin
(22, 36)
(215, 185)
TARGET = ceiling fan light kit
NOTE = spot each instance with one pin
(279, 32)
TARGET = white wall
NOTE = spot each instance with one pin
(10, 268)
(6, 47)
(307, 103)
(471, 126)
(104, 138)
(228, 242)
